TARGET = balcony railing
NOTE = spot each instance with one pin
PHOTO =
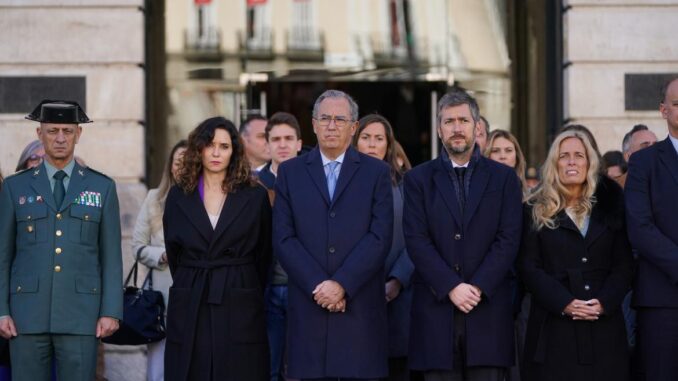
(305, 44)
(203, 45)
(257, 46)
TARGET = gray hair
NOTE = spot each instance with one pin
(457, 97)
(626, 143)
(336, 94)
(26, 154)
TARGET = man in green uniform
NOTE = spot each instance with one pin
(60, 257)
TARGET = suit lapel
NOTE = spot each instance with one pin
(446, 188)
(669, 157)
(348, 168)
(235, 203)
(479, 180)
(597, 227)
(564, 221)
(40, 185)
(194, 209)
(314, 166)
(76, 184)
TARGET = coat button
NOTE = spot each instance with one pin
(58, 233)
(58, 216)
(332, 250)
(29, 228)
(584, 260)
(57, 268)
(332, 214)
(18, 289)
(457, 237)
(457, 268)
(94, 290)
(86, 217)
(57, 250)
(587, 287)
(28, 218)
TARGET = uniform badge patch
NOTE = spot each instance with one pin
(89, 198)
(22, 200)
(39, 199)
(30, 199)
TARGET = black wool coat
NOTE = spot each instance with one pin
(559, 265)
(216, 328)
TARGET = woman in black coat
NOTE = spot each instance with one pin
(576, 261)
(217, 226)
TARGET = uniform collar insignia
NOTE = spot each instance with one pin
(80, 172)
(36, 172)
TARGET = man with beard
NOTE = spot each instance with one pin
(462, 221)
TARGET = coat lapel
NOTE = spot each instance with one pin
(564, 221)
(234, 204)
(194, 209)
(446, 188)
(314, 166)
(669, 157)
(76, 185)
(40, 185)
(479, 179)
(597, 226)
(348, 168)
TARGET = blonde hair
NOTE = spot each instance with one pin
(520, 158)
(550, 197)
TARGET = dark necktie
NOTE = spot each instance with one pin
(59, 190)
(461, 171)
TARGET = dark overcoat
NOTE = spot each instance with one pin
(345, 239)
(447, 247)
(216, 328)
(560, 265)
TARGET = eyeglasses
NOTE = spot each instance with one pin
(35, 157)
(339, 121)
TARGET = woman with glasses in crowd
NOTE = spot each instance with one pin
(31, 156)
(576, 262)
(375, 137)
(217, 227)
(148, 246)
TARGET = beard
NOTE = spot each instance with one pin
(458, 149)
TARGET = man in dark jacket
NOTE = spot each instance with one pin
(651, 188)
(462, 219)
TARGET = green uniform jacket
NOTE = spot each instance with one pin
(60, 267)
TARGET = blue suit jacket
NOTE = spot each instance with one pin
(448, 248)
(345, 239)
(651, 208)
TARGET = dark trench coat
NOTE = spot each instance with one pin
(216, 326)
(559, 265)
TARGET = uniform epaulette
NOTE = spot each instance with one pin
(97, 172)
(18, 173)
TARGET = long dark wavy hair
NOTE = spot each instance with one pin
(238, 169)
(390, 158)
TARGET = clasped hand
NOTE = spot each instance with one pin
(330, 295)
(465, 296)
(584, 309)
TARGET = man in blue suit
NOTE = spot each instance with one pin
(651, 207)
(333, 223)
(462, 219)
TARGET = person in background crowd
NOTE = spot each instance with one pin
(638, 138)
(31, 156)
(56, 306)
(217, 227)
(401, 157)
(462, 220)
(651, 188)
(254, 138)
(375, 138)
(333, 227)
(615, 166)
(482, 133)
(531, 178)
(576, 262)
(283, 135)
(503, 147)
(148, 246)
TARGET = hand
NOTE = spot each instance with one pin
(465, 296)
(328, 292)
(106, 326)
(7, 328)
(393, 287)
(163, 259)
(339, 307)
(589, 310)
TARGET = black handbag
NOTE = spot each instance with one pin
(143, 320)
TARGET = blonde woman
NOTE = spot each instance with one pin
(149, 245)
(576, 261)
(503, 147)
